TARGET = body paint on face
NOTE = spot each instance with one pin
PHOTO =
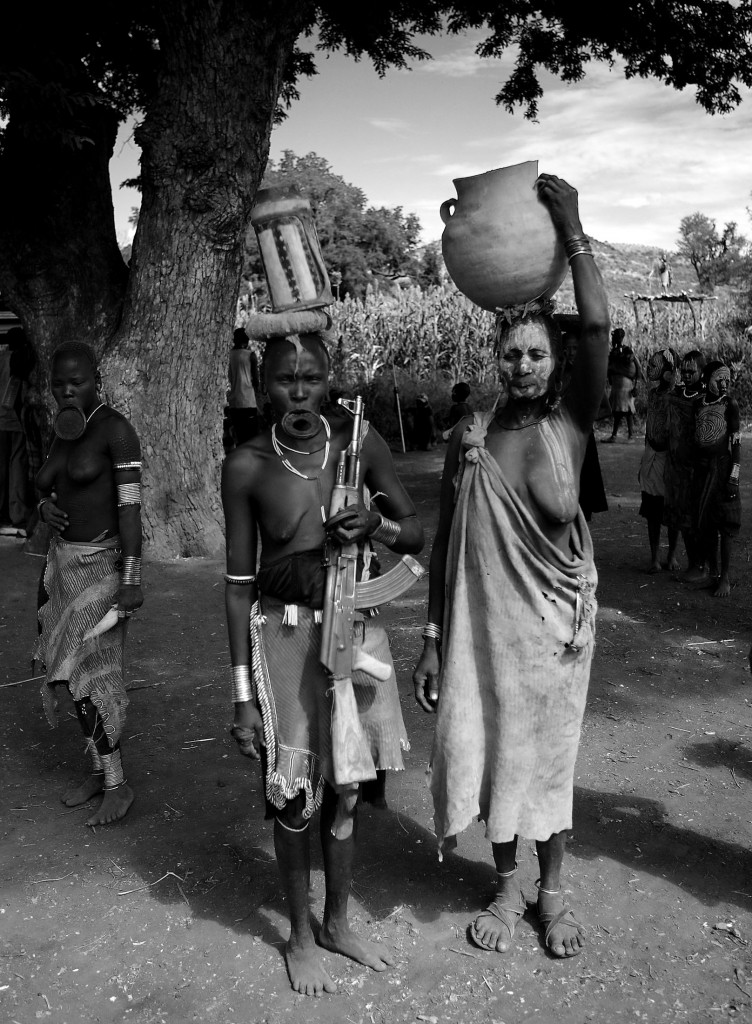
(720, 381)
(527, 361)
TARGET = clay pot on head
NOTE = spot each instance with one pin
(294, 267)
(499, 244)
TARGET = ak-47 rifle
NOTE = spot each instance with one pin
(344, 595)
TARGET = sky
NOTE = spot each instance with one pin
(640, 154)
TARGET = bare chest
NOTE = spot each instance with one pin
(70, 464)
(292, 503)
(541, 467)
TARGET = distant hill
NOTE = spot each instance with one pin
(626, 269)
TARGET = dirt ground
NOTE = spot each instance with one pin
(175, 914)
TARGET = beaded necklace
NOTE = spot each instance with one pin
(278, 446)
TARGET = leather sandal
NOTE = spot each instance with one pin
(505, 909)
(550, 919)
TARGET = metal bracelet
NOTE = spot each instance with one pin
(387, 531)
(129, 494)
(580, 252)
(577, 242)
(127, 467)
(734, 474)
(432, 632)
(40, 503)
(241, 581)
(131, 571)
(242, 690)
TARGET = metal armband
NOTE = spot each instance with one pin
(128, 494)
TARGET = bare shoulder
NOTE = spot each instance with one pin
(114, 422)
(243, 466)
(119, 433)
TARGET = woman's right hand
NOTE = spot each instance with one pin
(53, 516)
(426, 677)
(248, 730)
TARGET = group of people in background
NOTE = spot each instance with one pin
(689, 474)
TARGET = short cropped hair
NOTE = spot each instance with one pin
(75, 348)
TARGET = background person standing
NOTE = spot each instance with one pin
(244, 382)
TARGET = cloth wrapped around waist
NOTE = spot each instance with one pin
(81, 584)
(300, 578)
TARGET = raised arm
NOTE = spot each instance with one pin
(589, 372)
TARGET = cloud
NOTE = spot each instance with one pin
(389, 124)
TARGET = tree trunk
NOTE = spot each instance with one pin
(205, 142)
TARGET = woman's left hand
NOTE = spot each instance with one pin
(352, 524)
(561, 200)
(129, 599)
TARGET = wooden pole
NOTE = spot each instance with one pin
(399, 410)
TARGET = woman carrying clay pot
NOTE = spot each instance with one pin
(511, 610)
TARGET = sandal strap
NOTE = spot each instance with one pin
(551, 920)
(501, 905)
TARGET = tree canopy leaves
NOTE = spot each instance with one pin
(717, 257)
(93, 53)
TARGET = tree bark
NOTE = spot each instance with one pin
(205, 142)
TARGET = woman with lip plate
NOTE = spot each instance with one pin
(511, 611)
(91, 498)
(278, 488)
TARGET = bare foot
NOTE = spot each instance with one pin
(114, 806)
(76, 795)
(564, 936)
(723, 589)
(654, 567)
(306, 972)
(672, 565)
(343, 940)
